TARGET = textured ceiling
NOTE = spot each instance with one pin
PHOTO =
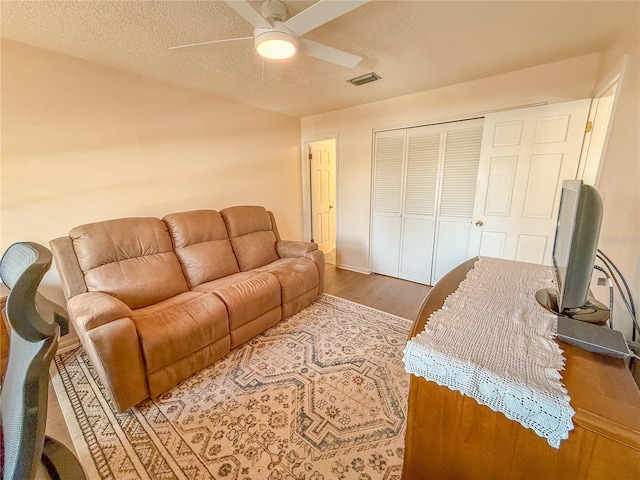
(412, 45)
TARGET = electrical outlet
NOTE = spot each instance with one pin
(602, 281)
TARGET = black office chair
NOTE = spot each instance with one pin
(25, 389)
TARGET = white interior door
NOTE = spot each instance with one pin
(323, 194)
(526, 153)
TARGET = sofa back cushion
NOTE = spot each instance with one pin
(129, 258)
(252, 236)
(201, 242)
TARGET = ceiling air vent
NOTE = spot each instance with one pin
(366, 78)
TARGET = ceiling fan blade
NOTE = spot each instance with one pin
(320, 13)
(250, 14)
(210, 42)
(328, 54)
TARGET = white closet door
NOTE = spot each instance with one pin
(526, 154)
(424, 145)
(388, 178)
(424, 189)
(461, 157)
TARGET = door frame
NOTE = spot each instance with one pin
(613, 80)
(307, 219)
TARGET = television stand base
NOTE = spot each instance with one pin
(591, 312)
(598, 339)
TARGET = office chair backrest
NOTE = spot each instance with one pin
(33, 343)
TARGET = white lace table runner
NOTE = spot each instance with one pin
(493, 342)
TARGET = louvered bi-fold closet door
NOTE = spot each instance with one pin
(404, 202)
(423, 196)
(454, 225)
(388, 179)
(423, 158)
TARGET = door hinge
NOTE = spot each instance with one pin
(589, 127)
(311, 156)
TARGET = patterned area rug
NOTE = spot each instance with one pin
(320, 396)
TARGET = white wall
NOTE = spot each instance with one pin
(557, 82)
(619, 180)
(83, 143)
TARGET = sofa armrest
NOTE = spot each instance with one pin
(318, 258)
(69, 271)
(114, 350)
(110, 339)
(92, 309)
(289, 248)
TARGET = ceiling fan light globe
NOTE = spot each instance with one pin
(275, 45)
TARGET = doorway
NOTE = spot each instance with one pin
(322, 180)
(597, 133)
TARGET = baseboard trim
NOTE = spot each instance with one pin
(353, 269)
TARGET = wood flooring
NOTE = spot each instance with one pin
(391, 295)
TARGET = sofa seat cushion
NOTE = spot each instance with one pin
(253, 302)
(175, 328)
(296, 276)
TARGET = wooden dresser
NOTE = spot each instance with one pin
(451, 436)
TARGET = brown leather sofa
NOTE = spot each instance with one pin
(155, 301)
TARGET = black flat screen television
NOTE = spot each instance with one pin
(574, 249)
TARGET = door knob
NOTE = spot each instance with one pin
(479, 223)
(330, 206)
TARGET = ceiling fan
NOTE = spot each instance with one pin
(275, 37)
